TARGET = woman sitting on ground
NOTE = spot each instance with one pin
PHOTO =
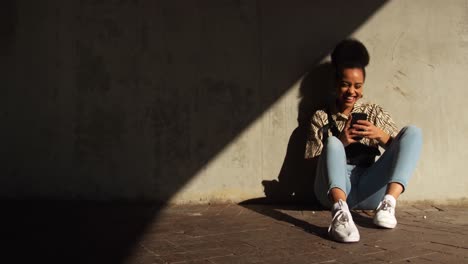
(348, 177)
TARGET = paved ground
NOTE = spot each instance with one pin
(268, 234)
(65, 233)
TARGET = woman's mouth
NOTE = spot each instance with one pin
(350, 99)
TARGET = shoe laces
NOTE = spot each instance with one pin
(385, 206)
(340, 218)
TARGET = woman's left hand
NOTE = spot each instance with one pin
(366, 129)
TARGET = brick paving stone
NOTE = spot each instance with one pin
(342, 254)
(234, 260)
(299, 259)
(197, 240)
(161, 247)
(202, 245)
(445, 249)
(460, 241)
(355, 258)
(433, 228)
(362, 249)
(404, 253)
(262, 255)
(365, 261)
(200, 254)
(203, 261)
(239, 248)
(426, 208)
(445, 258)
(396, 242)
(302, 246)
(415, 261)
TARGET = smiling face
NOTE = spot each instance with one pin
(350, 88)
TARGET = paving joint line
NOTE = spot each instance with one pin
(449, 245)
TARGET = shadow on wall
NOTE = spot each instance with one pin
(8, 19)
(128, 100)
(295, 182)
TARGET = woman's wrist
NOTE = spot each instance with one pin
(389, 141)
(384, 138)
(343, 140)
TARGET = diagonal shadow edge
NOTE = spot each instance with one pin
(97, 110)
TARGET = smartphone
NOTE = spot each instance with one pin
(355, 118)
(358, 116)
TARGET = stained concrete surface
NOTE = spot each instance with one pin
(196, 101)
(51, 232)
(144, 99)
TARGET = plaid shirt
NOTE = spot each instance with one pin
(375, 114)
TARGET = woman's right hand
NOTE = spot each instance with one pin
(347, 134)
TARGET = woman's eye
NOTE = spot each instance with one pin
(358, 86)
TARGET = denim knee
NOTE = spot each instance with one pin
(412, 131)
(333, 143)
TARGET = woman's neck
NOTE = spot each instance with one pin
(346, 110)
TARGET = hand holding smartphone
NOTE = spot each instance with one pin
(355, 117)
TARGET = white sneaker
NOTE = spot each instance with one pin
(342, 227)
(385, 215)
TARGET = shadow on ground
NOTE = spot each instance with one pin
(274, 211)
(72, 232)
(279, 212)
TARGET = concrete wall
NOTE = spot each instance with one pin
(197, 101)
(419, 66)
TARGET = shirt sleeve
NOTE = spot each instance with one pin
(384, 121)
(314, 143)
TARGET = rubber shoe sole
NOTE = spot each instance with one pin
(349, 239)
(384, 224)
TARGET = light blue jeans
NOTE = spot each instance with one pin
(365, 187)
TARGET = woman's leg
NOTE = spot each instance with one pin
(332, 184)
(332, 180)
(391, 173)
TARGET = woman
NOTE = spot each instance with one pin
(347, 174)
